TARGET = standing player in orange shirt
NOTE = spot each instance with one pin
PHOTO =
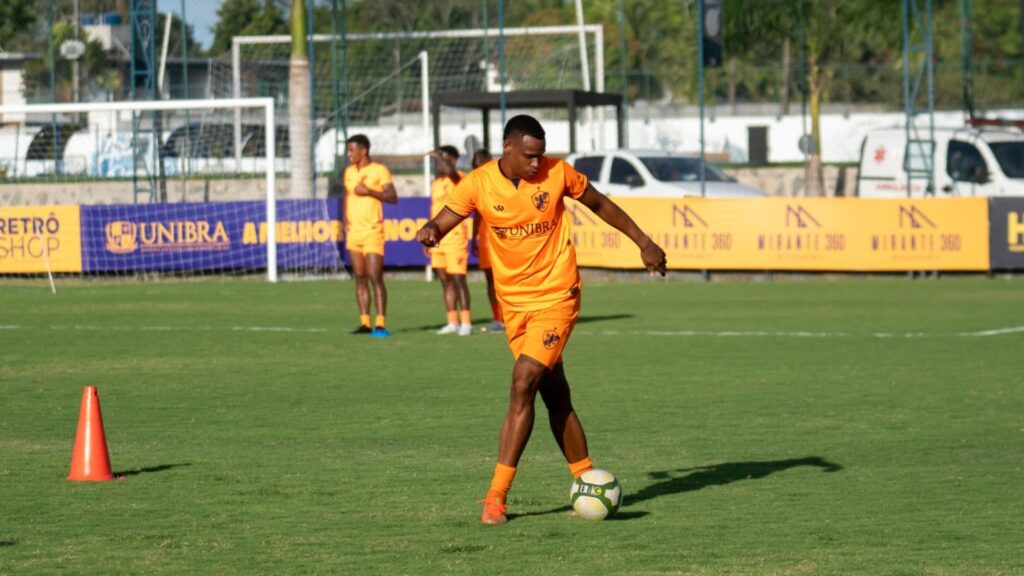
(520, 197)
(450, 258)
(479, 248)
(368, 185)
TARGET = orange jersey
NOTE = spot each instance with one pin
(532, 257)
(365, 212)
(439, 191)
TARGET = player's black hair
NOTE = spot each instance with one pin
(481, 156)
(523, 125)
(450, 150)
(360, 140)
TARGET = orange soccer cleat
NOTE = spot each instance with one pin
(494, 511)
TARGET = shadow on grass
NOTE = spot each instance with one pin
(618, 516)
(4, 543)
(477, 322)
(587, 319)
(690, 479)
(150, 469)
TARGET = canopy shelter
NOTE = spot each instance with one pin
(571, 100)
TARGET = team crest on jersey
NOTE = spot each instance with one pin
(541, 200)
(551, 339)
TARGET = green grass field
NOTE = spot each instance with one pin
(794, 427)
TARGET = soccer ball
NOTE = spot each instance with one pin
(596, 494)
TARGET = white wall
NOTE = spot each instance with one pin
(841, 134)
(11, 93)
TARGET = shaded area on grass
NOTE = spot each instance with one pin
(584, 319)
(7, 543)
(696, 478)
(151, 469)
(667, 481)
(478, 321)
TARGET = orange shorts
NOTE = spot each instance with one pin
(365, 241)
(541, 334)
(452, 259)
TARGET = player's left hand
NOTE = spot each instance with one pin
(653, 257)
(428, 235)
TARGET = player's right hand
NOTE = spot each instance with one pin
(429, 235)
(654, 258)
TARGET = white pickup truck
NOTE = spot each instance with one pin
(967, 162)
(655, 174)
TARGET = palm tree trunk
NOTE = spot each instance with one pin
(299, 133)
(299, 106)
(815, 179)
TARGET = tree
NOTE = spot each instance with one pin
(245, 18)
(97, 74)
(16, 17)
(299, 106)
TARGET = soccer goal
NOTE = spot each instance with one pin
(362, 81)
(156, 188)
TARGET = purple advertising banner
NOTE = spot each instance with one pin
(401, 221)
(232, 235)
(208, 236)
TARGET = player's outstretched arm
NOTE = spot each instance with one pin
(437, 227)
(652, 255)
(388, 194)
(444, 167)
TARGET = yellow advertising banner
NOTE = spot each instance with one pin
(34, 239)
(827, 234)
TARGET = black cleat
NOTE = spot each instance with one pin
(363, 329)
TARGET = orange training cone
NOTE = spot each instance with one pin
(90, 461)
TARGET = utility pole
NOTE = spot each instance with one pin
(76, 94)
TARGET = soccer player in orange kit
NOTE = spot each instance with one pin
(450, 258)
(368, 185)
(480, 249)
(520, 197)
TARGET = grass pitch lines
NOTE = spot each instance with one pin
(93, 328)
(669, 333)
(799, 334)
(996, 332)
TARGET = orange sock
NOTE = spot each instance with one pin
(496, 312)
(453, 318)
(364, 319)
(379, 323)
(578, 468)
(464, 318)
(502, 481)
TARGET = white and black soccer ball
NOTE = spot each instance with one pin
(596, 494)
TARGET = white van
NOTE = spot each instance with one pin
(968, 162)
(655, 174)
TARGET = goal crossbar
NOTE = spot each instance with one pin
(238, 41)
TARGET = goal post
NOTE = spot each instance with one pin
(179, 229)
(548, 57)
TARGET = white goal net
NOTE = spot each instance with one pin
(363, 82)
(155, 188)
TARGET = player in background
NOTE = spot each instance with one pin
(368, 185)
(450, 258)
(478, 247)
(520, 197)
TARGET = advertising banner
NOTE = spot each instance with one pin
(34, 239)
(1006, 217)
(826, 234)
(209, 236)
(401, 221)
